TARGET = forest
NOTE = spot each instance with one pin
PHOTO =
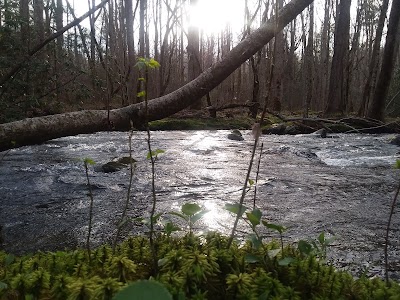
(335, 58)
(128, 211)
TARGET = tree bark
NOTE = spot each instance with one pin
(377, 107)
(37, 130)
(337, 83)
(373, 65)
(193, 54)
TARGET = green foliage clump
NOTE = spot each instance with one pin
(201, 123)
(192, 267)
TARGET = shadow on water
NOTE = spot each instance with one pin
(342, 186)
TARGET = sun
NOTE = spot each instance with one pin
(212, 16)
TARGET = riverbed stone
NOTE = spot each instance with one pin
(275, 129)
(115, 165)
(395, 140)
(235, 135)
(320, 133)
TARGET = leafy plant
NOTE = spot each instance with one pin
(146, 64)
(191, 213)
(128, 195)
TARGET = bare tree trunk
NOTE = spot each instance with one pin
(324, 59)
(374, 63)
(309, 65)
(254, 63)
(37, 130)
(377, 108)
(337, 83)
(142, 41)
(131, 50)
(38, 8)
(24, 16)
(193, 55)
(279, 61)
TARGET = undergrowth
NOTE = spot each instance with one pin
(190, 267)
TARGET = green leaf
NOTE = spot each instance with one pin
(157, 216)
(179, 215)
(397, 166)
(141, 63)
(236, 208)
(255, 241)
(304, 247)
(254, 217)
(141, 79)
(155, 153)
(273, 253)
(275, 227)
(10, 258)
(169, 227)
(198, 216)
(251, 259)
(189, 209)
(162, 261)
(321, 238)
(144, 290)
(89, 161)
(3, 286)
(141, 94)
(286, 261)
(153, 64)
(251, 182)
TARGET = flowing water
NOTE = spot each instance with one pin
(342, 185)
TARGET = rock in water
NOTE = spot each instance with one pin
(321, 133)
(126, 160)
(235, 135)
(112, 166)
(395, 140)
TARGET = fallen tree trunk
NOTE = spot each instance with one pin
(37, 130)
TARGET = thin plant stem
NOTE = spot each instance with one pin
(238, 215)
(153, 175)
(128, 194)
(256, 137)
(387, 233)
(90, 209)
(258, 172)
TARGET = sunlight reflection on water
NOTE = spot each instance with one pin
(217, 217)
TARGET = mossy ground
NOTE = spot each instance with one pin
(190, 267)
(201, 123)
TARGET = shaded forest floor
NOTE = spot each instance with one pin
(285, 123)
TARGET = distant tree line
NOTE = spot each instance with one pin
(327, 60)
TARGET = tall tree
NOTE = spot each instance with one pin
(337, 83)
(377, 108)
(309, 63)
(193, 51)
(38, 8)
(36, 130)
(24, 15)
(131, 50)
(374, 62)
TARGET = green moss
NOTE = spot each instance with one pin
(196, 267)
(201, 123)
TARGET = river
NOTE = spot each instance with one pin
(342, 185)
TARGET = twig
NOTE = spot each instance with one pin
(258, 172)
(128, 195)
(90, 208)
(387, 233)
